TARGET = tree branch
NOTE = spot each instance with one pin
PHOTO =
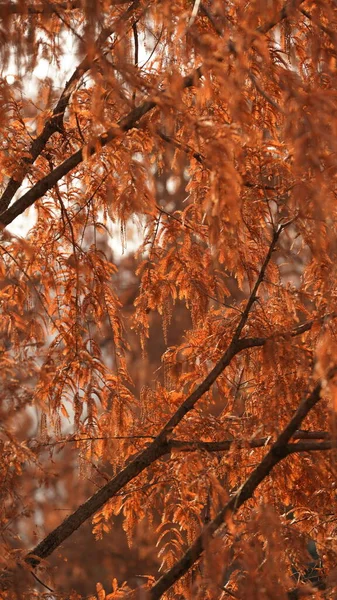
(46, 183)
(159, 446)
(288, 8)
(277, 452)
(235, 346)
(225, 445)
(299, 330)
(55, 122)
(185, 445)
(310, 447)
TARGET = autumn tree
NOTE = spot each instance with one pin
(168, 297)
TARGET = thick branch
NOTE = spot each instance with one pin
(186, 445)
(277, 452)
(155, 450)
(95, 502)
(310, 447)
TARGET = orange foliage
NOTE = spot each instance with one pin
(168, 311)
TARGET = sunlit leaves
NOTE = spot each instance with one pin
(222, 130)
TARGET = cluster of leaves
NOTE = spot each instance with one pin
(188, 389)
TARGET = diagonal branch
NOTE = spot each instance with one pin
(55, 122)
(277, 452)
(125, 124)
(159, 446)
(231, 351)
(46, 183)
(288, 9)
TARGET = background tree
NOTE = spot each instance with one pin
(168, 413)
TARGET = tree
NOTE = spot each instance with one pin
(185, 391)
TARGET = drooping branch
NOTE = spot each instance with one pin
(55, 122)
(264, 29)
(327, 30)
(277, 452)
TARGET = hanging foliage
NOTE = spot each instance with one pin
(168, 286)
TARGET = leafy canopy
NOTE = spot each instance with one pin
(178, 397)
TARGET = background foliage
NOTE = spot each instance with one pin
(168, 407)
